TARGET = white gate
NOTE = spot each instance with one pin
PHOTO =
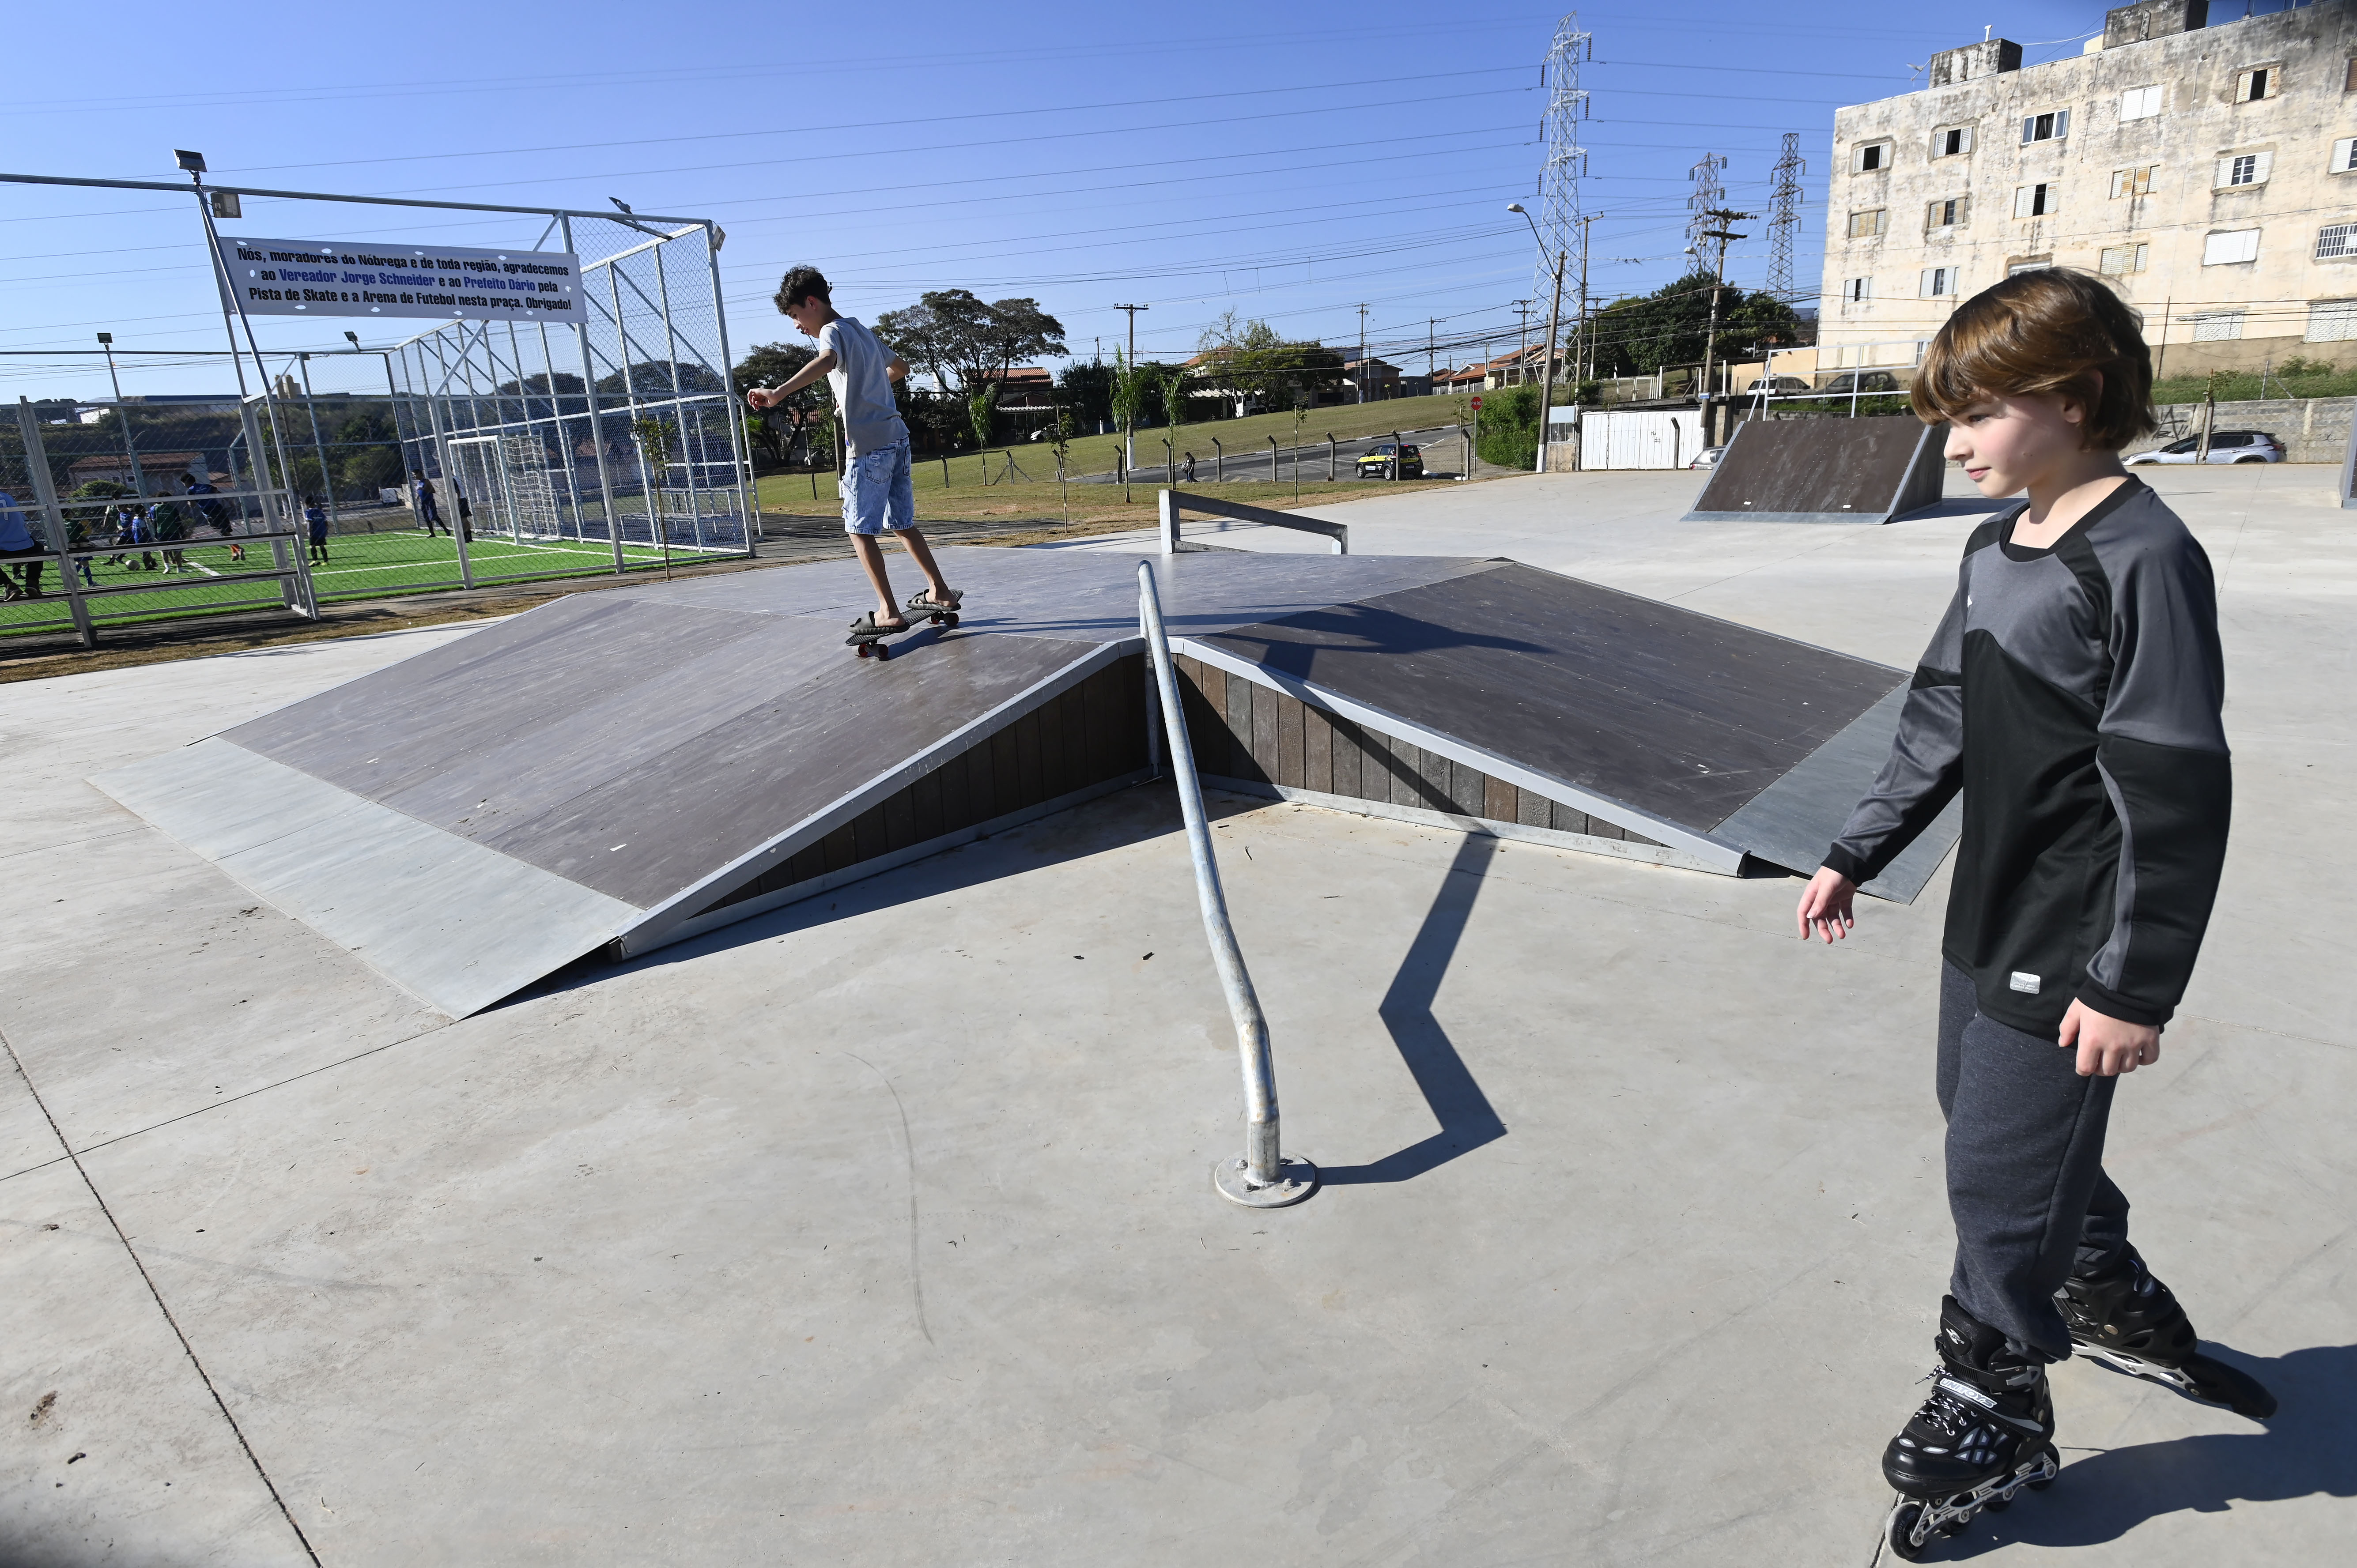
(510, 485)
(1641, 438)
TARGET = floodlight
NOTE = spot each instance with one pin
(1513, 207)
(354, 338)
(190, 162)
(106, 337)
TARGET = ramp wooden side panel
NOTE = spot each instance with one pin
(1828, 470)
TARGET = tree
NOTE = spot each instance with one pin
(1249, 361)
(650, 379)
(778, 430)
(1637, 336)
(1506, 431)
(982, 412)
(958, 339)
(1085, 391)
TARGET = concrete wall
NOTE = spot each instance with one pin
(2200, 121)
(2312, 429)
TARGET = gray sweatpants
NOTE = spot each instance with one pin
(2026, 1182)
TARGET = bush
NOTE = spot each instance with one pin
(1508, 430)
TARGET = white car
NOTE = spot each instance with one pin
(1708, 457)
(2225, 446)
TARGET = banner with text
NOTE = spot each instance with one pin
(299, 277)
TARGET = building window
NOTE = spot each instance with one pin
(2242, 168)
(2046, 127)
(1953, 142)
(1868, 158)
(2336, 243)
(1864, 225)
(2262, 81)
(2344, 157)
(2332, 321)
(2118, 261)
(2132, 181)
(1947, 212)
(1857, 291)
(2217, 325)
(2140, 103)
(2227, 246)
(1938, 282)
(2036, 201)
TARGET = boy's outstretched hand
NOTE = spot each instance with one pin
(2108, 1046)
(1825, 906)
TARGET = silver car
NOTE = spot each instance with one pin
(2225, 446)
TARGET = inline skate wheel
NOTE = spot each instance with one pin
(1901, 1532)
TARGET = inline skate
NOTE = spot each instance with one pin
(1986, 1432)
(2124, 1318)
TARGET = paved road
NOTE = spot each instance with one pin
(1444, 455)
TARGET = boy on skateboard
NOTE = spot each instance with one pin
(2072, 693)
(877, 491)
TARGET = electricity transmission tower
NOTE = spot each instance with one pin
(1784, 217)
(1707, 193)
(1567, 161)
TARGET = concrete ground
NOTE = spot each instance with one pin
(879, 1231)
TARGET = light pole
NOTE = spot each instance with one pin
(1129, 430)
(319, 448)
(1555, 323)
(123, 415)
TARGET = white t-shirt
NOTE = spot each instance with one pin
(863, 392)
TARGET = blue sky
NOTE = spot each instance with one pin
(1287, 162)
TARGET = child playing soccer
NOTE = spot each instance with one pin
(877, 491)
(315, 517)
(2072, 693)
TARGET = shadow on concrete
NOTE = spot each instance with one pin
(2308, 1448)
(1954, 506)
(1466, 1117)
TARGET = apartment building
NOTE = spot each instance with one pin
(2207, 172)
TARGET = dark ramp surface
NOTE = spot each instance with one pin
(1681, 715)
(1824, 469)
(616, 769)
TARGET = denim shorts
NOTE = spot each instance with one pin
(878, 492)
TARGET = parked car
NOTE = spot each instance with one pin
(1708, 457)
(1861, 382)
(1779, 386)
(2225, 446)
(1376, 463)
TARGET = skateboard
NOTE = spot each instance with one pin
(868, 640)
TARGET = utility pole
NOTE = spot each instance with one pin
(1129, 433)
(1722, 217)
(1582, 368)
(1363, 353)
(123, 415)
(1546, 382)
(1430, 364)
(1523, 352)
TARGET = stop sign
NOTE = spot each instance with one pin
(1476, 406)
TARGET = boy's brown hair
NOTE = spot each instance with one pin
(2052, 331)
(801, 283)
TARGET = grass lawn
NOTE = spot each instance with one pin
(1096, 454)
(358, 566)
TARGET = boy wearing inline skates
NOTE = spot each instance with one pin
(879, 489)
(2073, 693)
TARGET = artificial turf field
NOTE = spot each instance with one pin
(358, 566)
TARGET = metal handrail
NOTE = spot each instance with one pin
(1176, 504)
(1261, 1176)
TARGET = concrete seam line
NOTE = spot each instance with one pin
(148, 1280)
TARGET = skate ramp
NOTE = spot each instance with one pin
(620, 770)
(1824, 469)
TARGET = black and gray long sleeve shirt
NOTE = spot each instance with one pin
(2073, 695)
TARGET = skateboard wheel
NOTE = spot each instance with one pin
(861, 651)
(950, 621)
(882, 653)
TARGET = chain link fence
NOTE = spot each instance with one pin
(612, 447)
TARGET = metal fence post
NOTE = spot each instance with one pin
(596, 426)
(53, 517)
(748, 495)
(1219, 461)
(1261, 1176)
